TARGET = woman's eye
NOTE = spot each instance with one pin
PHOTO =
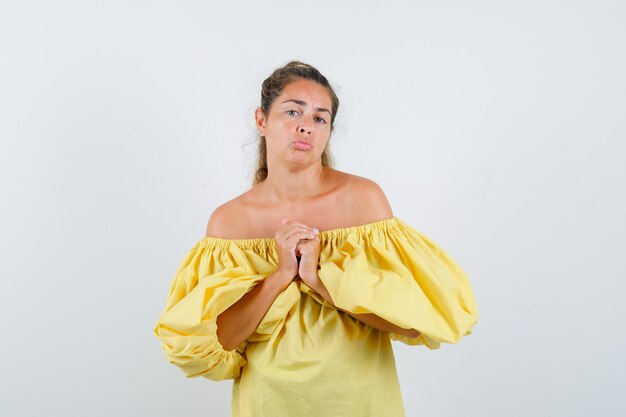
(320, 119)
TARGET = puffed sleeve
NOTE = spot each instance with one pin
(212, 277)
(397, 273)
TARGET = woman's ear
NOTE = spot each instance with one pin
(259, 116)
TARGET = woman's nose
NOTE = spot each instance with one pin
(305, 126)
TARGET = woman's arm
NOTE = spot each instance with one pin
(367, 318)
(382, 324)
(369, 199)
(239, 321)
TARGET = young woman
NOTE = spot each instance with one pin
(301, 282)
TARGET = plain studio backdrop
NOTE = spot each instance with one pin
(495, 128)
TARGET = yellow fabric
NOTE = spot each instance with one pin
(306, 357)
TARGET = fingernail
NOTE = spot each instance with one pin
(315, 230)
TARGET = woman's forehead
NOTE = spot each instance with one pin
(305, 92)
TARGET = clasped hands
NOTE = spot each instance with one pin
(297, 240)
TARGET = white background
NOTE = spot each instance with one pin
(496, 128)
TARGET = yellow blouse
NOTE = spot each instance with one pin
(306, 357)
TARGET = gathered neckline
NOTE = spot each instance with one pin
(323, 234)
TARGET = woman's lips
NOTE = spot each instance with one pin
(301, 145)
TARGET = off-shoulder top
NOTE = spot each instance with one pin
(308, 357)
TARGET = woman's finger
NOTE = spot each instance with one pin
(294, 227)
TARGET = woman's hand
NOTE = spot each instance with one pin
(287, 239)
(309, 251)
(309, 266)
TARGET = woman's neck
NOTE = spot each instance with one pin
(285, 185)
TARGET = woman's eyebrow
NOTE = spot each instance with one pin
(302, 103)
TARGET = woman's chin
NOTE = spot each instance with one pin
(300, 159)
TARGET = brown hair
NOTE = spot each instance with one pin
(272, 87)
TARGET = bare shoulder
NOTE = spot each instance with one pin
(367, 196)
(219, 220)
(225, 219)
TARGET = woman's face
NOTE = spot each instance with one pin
(297, 128)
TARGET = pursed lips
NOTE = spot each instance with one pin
(302, 143)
